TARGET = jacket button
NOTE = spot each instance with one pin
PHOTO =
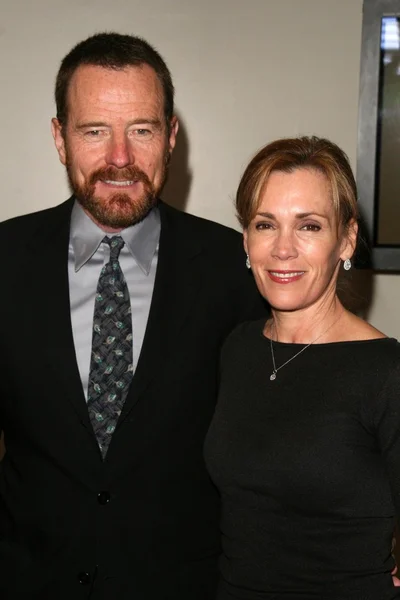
(84, 578)
(103, 497)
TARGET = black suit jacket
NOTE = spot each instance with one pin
(143, 525)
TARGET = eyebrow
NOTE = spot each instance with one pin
(304, 215)
(155, 122)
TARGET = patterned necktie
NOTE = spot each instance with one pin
(111, 359)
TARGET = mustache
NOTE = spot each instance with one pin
(129, 173)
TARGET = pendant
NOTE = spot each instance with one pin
(272, 376)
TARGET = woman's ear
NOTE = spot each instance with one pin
(349, 240)
(245, 241)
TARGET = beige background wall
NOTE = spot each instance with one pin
(246, 72)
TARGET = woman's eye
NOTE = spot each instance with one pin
(311, 227)
(261, 226)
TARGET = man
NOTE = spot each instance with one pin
(114, 309)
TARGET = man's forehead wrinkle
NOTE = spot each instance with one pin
(144, 75)
(98, 88)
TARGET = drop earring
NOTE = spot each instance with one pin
(347, 264)
(248, 265)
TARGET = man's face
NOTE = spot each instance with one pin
(116, 144)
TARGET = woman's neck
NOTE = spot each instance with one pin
(307, 325)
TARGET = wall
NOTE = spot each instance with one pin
(245, 73)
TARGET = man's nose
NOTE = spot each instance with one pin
(119, 152)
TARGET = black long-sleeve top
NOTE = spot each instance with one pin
(308, 467)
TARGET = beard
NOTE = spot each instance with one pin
(118, 210)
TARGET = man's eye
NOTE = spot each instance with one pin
(93, 133)
(142, 132)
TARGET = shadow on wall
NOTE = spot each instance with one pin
(176, 191)
(355, 290)
(356, 287)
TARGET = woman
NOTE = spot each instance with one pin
(305, 442)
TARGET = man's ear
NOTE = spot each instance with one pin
(174, 127)
(56, 129)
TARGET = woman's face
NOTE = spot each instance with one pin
(293, 241)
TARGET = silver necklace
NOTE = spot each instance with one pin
(275, 369)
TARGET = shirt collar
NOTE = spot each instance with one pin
(141, 239)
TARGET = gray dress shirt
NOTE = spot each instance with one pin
(86, 257)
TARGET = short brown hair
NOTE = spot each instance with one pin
(289, 154)
(112, 51)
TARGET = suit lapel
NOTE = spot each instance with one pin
(51, 307)
(173, 297)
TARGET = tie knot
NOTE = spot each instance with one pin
(116, 243)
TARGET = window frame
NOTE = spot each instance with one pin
(379, 257)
